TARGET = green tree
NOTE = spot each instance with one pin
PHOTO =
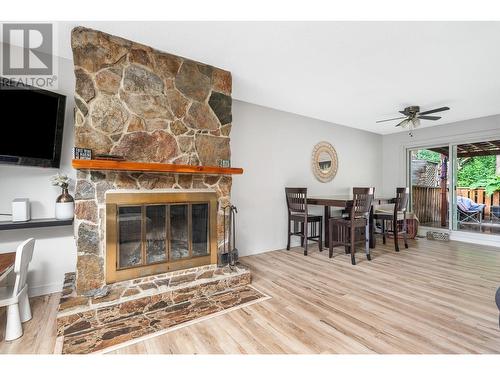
(428, 155)
(475, 171)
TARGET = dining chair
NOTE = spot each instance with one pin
(311, 226)
(353, 229)
(15, 297)
(395, 215)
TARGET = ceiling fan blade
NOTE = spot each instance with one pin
(434, 111)
(403, 113)
(402, 123)
(433, 118)
(391, 119)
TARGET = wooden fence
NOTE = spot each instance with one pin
(427, 201)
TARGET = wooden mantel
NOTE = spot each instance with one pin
(114, 165)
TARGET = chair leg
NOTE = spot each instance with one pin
(289, 235)
(24, 308)
(367, 241)
(383, 231)
(302, 232)
(320, 234)
(395, 232)
(13, 329)
(330, 240)
(345, 234)
(405, 233)
(353, 246)
(305, 237)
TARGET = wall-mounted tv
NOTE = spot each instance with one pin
(31, 125)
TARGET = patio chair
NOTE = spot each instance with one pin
(495, 213)
(469, 211)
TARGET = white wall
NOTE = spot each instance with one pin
(394, 145)
(55, 250)
(274, 149)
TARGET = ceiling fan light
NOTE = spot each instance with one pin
(415, 122)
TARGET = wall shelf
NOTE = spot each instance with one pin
(34, 223)
(114, 165)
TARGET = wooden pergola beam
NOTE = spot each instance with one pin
(469, 150)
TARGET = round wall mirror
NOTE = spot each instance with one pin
(324, 162)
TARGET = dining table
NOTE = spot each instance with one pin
(345, 201)
(6, 264)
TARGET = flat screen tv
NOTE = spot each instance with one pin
(31, 125)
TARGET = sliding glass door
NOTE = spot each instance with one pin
(476, 198)
(429, 185)
(456, 186)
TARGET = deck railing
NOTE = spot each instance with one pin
(427, 201)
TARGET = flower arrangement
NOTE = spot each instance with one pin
(60, 180)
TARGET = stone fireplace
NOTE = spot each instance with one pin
(153, 232)
(148, 229)
(151, 107)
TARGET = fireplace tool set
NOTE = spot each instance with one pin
(229, 254)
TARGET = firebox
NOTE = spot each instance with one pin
(155, 232)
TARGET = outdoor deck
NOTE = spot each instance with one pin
(427, 207)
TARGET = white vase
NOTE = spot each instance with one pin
(65, 210)
(65, 206)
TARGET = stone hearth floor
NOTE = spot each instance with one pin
(148, 306)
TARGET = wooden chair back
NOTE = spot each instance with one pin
(296, 199)
(362, 201)
(402, 196)
(24, 254)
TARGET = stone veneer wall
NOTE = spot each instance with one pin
(148, 106)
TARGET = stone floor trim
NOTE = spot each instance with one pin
(60, 340)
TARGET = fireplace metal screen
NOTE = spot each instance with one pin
(148, 233)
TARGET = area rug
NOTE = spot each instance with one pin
(120, 333)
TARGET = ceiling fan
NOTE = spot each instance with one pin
(412, 117)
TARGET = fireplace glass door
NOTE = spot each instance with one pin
(179, 231)
(150, 234)
(200, 234)
(156, 233)
(130, 236)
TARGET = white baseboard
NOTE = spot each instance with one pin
(468, 237)
(41, 290)
(476, 238)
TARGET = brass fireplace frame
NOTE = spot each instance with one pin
(116, 199)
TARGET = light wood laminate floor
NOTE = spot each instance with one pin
(434, 297)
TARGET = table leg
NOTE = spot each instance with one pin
(327, 226)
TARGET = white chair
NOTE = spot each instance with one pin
(16, 297)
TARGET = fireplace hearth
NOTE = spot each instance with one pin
(154, 232)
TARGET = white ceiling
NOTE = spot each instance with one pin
(349, 73)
